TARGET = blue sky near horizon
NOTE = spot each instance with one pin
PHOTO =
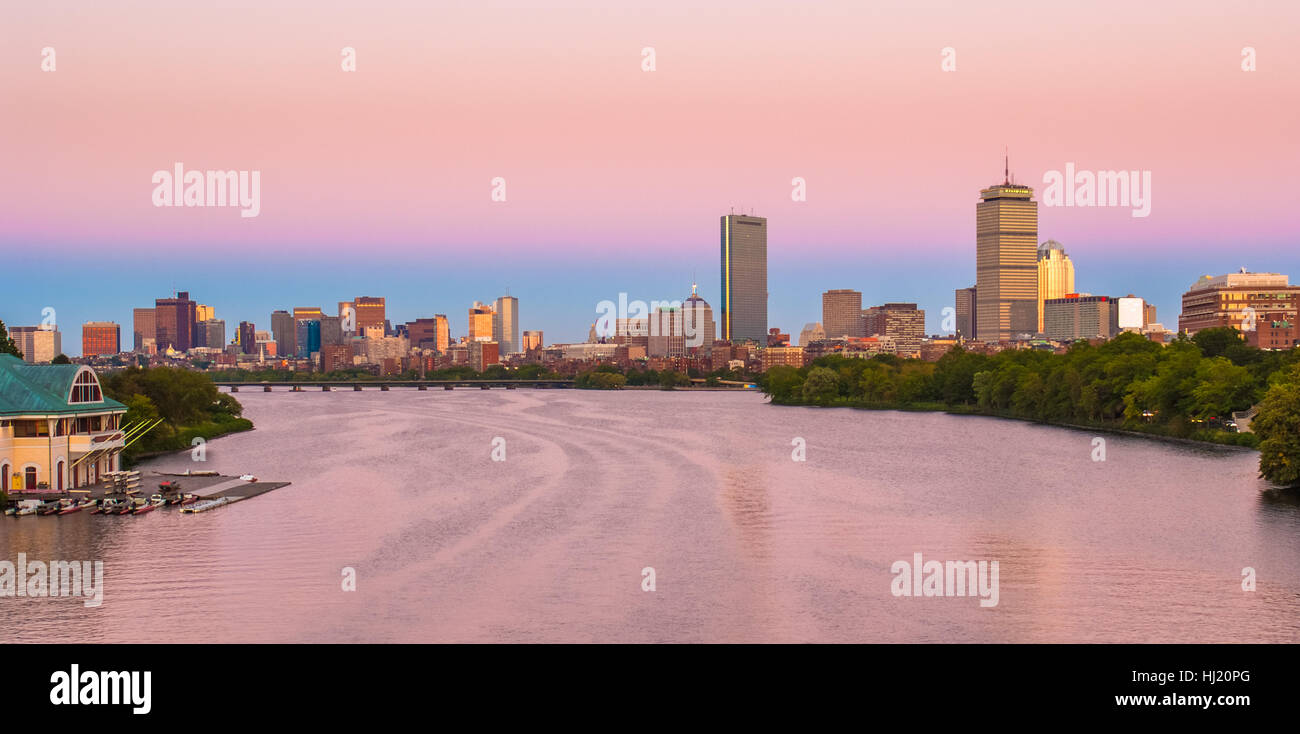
(557, 297)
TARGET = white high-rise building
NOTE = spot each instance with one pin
(505, 325)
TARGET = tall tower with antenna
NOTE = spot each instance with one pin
(1006, 260)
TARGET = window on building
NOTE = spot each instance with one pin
(86, 389)
(31, 429)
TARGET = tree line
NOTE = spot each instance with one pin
(1188, 388)
(188, 403)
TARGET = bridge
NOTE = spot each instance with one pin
(384, 385)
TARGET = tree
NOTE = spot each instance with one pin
(1222, 388)
(61, 359)
(7, 345)
(1278, 426)
(1214, 342)
(822, 385)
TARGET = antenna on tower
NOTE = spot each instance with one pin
(1006, 162)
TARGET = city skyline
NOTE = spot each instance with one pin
(563, 320)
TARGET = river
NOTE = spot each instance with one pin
(746, 544)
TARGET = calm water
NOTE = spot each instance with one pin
(747, 545)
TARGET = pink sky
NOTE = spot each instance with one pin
(398, 157)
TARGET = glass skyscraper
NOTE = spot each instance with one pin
(744, 279)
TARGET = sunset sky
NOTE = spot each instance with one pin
(378, 182)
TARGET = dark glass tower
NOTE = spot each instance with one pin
(744, 279)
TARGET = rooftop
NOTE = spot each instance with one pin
(27, 389)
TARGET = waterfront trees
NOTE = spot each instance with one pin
(187, 401)
(1278, 427)
(1189, 388)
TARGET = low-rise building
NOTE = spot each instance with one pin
(57, 430)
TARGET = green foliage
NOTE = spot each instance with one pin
(669, 379)
(1278, 428)
(187, 401)
(61, 358)
(821, 387)
(598, 379)
(7, 345)
(1215, 342)
(1189, 388)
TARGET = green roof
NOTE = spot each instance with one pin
(42, 388)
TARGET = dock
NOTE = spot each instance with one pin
(208, 487)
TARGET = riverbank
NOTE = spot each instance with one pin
(1245, 441)
(183, 439)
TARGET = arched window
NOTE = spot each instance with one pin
(85, 389)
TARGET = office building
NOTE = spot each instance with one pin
(348, 318)
(204, 313)
(247, 337)
(782, 356)
(1006, 267)
(285, 332)
(505, 324)
(307, 337)
(142, 328)
(842, 313)
(480, 323)
(334, 357)
(100, 337)
(1055, 275)
(1263, 306)
(331, 330)
(744, 279)
(1080, 316)
(483, 354)
(532, 340)
(903, 323)
(370, 312)
(966, 312)
(175, 322)
(38, 345)
(423, 333)
(214, 333)
(666, 336)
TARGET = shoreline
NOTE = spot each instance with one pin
(137, 459)
(1073, 426)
